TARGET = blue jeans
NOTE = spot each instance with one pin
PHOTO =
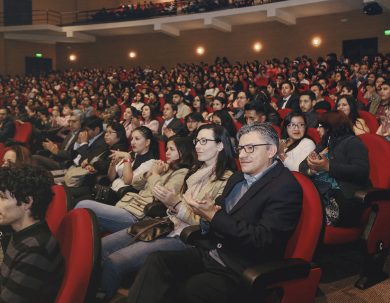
(110, 218)
(120, 259)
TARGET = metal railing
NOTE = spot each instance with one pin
(125, 13)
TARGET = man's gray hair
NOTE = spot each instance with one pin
(78, 114)
(266, 131)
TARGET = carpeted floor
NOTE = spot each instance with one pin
(343, 291)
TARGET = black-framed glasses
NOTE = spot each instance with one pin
(202, 141)
(296, 125)
(249, 148)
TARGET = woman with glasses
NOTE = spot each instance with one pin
(295, 145)
(204, 181)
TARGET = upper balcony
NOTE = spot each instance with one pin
(87, 26)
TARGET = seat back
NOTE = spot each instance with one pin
(57, 209)
(277, 129)
(162, 150)
(283, 112)
(2, 152)
(370, 120)
(378, 154)
(313, 133)
(303, 242)
(80, 246)
(237, 125)
(23, 132)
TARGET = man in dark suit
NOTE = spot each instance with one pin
(169, 121)
(60, 157)
(321, 103)
(289, 98)
(7, 125)
(91, 146)
(249, 223)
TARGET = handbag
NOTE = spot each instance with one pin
(75, 176)
(59, 175)
(150, 229)
(104, 194)
(332, 211)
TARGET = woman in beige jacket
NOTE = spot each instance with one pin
(206, 180)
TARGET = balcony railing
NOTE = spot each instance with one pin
(126, 12)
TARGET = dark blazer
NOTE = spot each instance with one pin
(323, 104)
(98, 147)
(68, 153)
(7, 129)
(348, 164)
(292, 103)
(175, 123)
(258, 227)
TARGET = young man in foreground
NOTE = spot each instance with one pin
(33, 265)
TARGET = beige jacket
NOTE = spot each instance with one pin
(185, 215)
(135, 203)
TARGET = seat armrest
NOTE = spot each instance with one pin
(190, 234)
(260, 276)
(371, 195)
(155, 209)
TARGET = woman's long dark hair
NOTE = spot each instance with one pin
(202, 102)
(354, 114)
(152, 112)
(226, 121)
(186, 150)
(287, 120)
(225, 159)
(121, 134)
(23, 155)
(147, 134)
(337, 126)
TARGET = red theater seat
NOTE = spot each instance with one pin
(375, 220)
(162, 150)
(80, 246)
(2, 152)
(23, 132)
(370, 120)
(284, 112)
(295, 276)
(237, 125)
(57, 209)
(313, 133)
(277, 129)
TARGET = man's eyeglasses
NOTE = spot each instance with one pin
(296, 125)
(249, 148)
(202, 141)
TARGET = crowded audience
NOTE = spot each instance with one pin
(146, 10)
(127, 139)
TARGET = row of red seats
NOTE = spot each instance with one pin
(295, 275)
(369, 118)
(78, 237)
